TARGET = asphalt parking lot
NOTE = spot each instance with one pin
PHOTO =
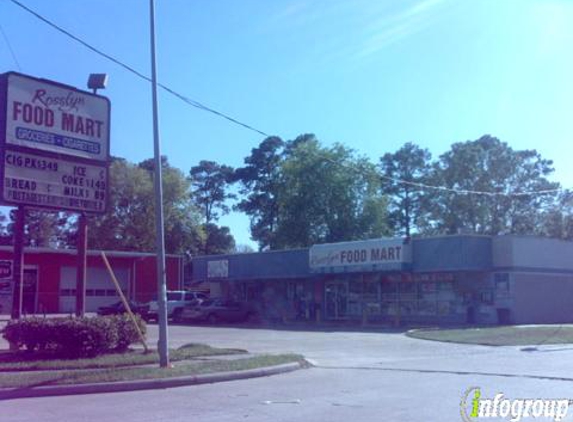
(354, 348)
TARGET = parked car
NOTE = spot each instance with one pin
(118, 308)
(176, 301)
(215, 310)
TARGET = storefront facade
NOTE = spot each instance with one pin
(440, 280)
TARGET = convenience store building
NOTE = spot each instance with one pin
(437, 280)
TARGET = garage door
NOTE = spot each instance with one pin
(100, 290)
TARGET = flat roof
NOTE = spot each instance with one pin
(91, 252)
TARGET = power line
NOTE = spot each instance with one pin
(203, 107)
(471, 192)
(451, 190)
(183, 98)
(10, 48)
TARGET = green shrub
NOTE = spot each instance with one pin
(73, 337)
(31, 333)
(126, 331)
(83, 337)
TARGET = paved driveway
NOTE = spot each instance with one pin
(383, 350)
(358, 376)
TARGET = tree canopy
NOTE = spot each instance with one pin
(209, 188)
(210, 192)
(327, 194)
(301, 192)
(407, 201)
(260, 182)
(503, 174)
(130, 222)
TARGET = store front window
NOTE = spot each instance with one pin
(371, 295)
(336, 299)
(301, 300)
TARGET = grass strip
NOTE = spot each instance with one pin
(186, 368)
(25, 361)
(526, 335)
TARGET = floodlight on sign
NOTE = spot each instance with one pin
(97, 81)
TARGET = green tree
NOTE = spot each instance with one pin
(489, 165)
(219, 240)
(407, 201)
(41, 228)
(130, 222)
(259, 184)
(243, 248)
(182, 217)
(149, 164)
(328, 195)
(210, 184)
(557, 221)
(209, 189)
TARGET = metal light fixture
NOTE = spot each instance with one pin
(97, 81)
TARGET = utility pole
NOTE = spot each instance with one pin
(157, 181)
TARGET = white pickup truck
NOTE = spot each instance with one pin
(176, 300)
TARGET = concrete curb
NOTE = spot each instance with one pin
(152, 384)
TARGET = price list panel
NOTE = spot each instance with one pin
(57, 183)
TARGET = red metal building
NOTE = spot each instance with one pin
(50, 278)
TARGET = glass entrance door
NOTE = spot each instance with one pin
(336, 300)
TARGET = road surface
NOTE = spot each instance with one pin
(358, 376)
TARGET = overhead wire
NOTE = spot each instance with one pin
(5, 36)
(451, 190)
(471, 192)
(183, 98)
(203, 107)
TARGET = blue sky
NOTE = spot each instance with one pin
(372, 74)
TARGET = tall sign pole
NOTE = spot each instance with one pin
(157, 181)
(96, 81)
(81, 265)
(18, 264)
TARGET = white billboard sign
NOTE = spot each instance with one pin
(361, 253)
(218, 269)
(54, 145)
(52, 117)
(46, 182)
